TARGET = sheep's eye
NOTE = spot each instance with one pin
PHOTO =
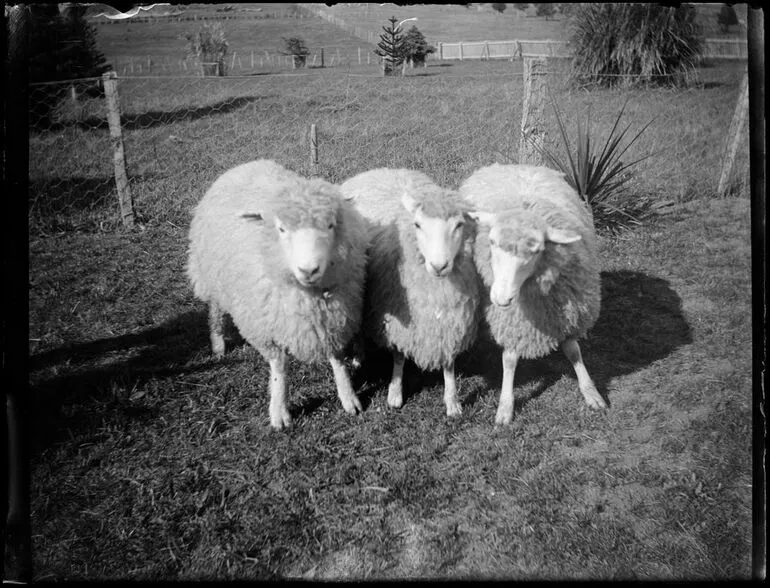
(459, 225)
(331, 226)
(417, 225)
(493, 242)
(281, 230)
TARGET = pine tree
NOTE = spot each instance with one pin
(391, 48)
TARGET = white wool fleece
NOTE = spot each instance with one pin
(562, 298)
(235, 260)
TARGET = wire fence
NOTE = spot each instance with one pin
(178, 133)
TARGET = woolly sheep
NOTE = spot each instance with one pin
(537, 255)
(422, 292)
(285, 257)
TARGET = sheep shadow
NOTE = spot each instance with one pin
(63, 402)
(641, 321)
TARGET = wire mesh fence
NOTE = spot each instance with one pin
(180, 132)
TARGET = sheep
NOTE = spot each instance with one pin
(537, 255)
(285, 257)
(422, 289)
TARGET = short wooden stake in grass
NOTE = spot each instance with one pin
(313, 146)
(533, 111)
(734, 136)
(110, 80)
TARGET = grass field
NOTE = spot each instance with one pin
(126, 43)
(154, 461)
(123, 42)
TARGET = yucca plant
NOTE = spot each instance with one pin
(598, 174)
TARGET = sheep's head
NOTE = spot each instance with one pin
(439, 230)
(516, 244)
(306, 226)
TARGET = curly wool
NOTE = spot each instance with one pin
(429, 319)
(533, 196)
(237, 262)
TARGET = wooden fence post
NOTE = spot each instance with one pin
(533, 111)
(313, 146)
(110, 80)
(734, 136)
(322, 56)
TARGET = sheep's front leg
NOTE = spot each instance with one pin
(395, 389)
(505, 405)
(453, 407)
(347, 396)
(586, 384)
(279, 411)
(216, 329)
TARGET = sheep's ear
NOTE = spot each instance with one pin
(561, 236)
(252, 216)
(408, 201)
(483, 218)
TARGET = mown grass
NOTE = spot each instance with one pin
(154, 461)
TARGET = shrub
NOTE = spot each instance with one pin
(62, 46)
(295, 46)
(209, 47)
(633, 43)
(726, 17)
(415, 47)
(599, 175)
(545, 9)
(499, 6)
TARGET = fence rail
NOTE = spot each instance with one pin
(711, 49)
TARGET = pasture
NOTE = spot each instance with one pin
(154, 461)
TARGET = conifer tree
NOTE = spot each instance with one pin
(391, 48)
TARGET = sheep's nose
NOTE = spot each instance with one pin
(439, 269)
(309, 272)
(503, 302)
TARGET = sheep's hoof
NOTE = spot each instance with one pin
(454, 409)
(503, 417)
(218, 347)
(395, 401)
(594, 399)
(352, 405)
(280, 419)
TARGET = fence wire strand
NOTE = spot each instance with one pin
(181, 132)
